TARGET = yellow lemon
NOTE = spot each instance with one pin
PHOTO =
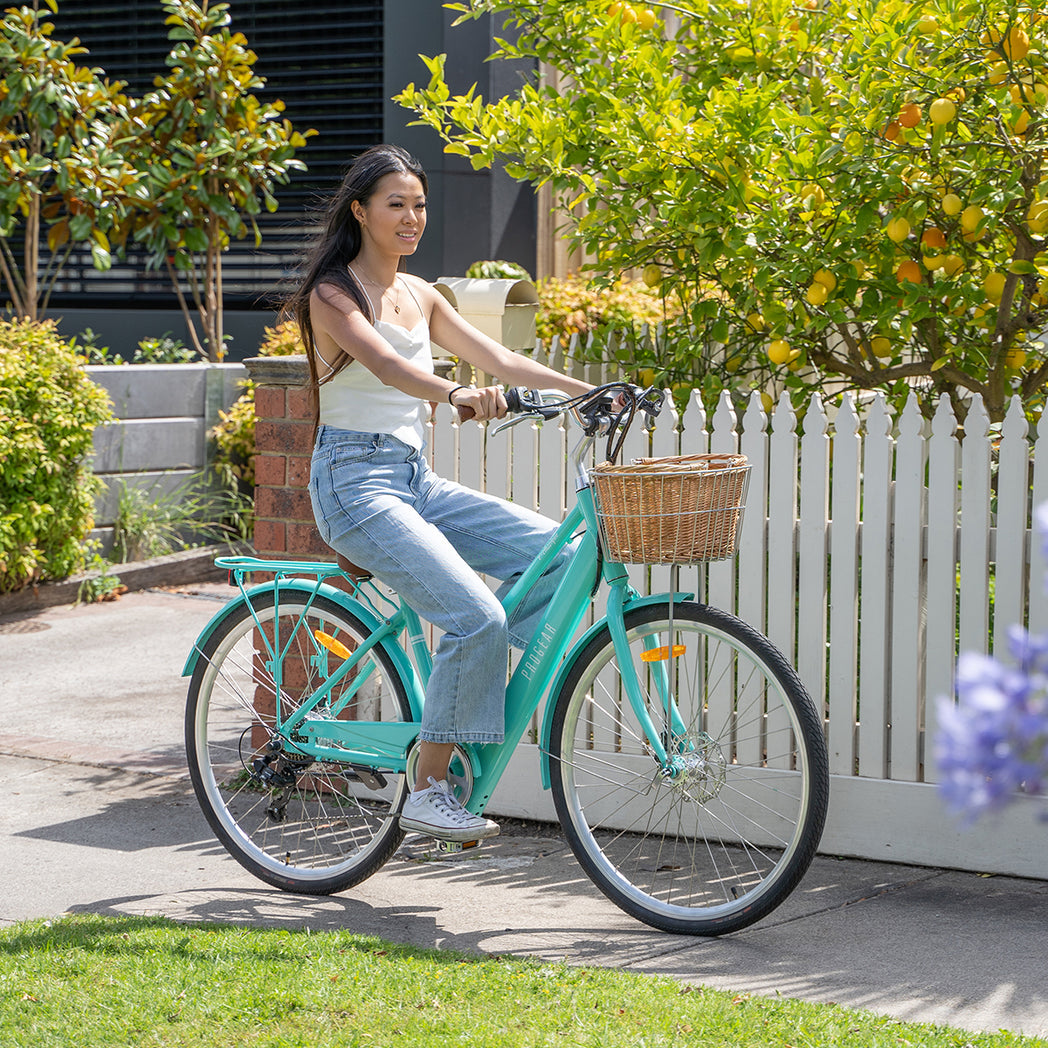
(813, 194)
(779, 351)
(971, 216)
(1015, 358)
(952, 204)
(1037, 216)
(993, 285)
(646, 18)
(824, 276)
(998, 71)
(942, 111)
(652, 275)
(898, 229)
(881, 346)
(817, 294)
(952, 264)
(1016, 45)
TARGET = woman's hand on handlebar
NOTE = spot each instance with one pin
(481, 404)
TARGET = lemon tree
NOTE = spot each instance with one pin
(895, 148)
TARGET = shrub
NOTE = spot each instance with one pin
(283, 340)
(234, 437)
(152, 350)
(48, 413)
(497, 270)
(577, 306)
(163, 350)
(154, 523)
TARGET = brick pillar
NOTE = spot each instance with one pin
(284, 525)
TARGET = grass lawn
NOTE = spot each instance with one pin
(79, 982)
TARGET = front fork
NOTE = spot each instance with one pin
(670, 739)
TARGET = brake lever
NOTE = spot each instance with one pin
(508, 423)
(650, 400)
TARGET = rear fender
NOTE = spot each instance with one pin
(310, 587)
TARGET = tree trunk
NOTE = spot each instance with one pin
(32, 259)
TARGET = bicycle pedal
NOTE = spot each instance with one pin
(454, 847)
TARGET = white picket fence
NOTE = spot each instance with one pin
(872, 551)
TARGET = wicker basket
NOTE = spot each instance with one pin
(671, 510)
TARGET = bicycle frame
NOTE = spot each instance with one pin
(385, 744)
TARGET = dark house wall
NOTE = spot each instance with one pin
(477, 214)
(336, 66)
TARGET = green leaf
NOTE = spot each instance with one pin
(195, 239)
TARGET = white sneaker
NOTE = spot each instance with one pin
(439, 813)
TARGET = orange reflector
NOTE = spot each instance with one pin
(336, 647)
(662, 654)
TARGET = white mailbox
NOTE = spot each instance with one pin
(504, 309)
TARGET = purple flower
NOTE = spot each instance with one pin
(993, 743)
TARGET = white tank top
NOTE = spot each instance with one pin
(356, 399)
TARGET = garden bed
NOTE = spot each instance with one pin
(191, 565)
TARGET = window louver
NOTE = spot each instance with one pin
(324, 62)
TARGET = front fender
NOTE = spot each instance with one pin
(569, 664)
(311, 588)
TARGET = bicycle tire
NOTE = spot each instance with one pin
(723, 842)
(313, 827)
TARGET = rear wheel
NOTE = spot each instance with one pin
(312, 826)
(720, 835)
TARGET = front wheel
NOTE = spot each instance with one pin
(311, 826)
(717, 835)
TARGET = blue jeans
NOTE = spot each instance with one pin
(377, 502)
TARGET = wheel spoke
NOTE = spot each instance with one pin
(720, 835)
(306, 825)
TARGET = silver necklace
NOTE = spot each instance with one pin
(395, 303)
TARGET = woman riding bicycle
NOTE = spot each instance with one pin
(367, 326)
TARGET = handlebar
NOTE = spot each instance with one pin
(599, 400)
(609, 409)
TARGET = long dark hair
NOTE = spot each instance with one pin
(338, 243)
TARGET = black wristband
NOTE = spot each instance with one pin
(452, 392)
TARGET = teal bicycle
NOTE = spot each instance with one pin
(687, 763)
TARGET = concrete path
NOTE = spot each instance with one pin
(99, 817)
